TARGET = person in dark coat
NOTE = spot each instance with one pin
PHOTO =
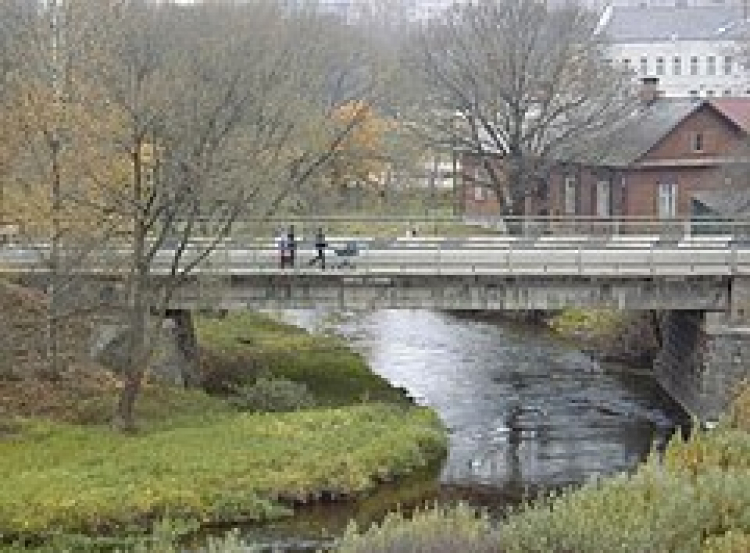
(291, 246)
(320, 246)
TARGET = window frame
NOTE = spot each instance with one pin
(728, 64)
(570, 195)
(694, 65)
(604, 209)
(711, 65)
(697, 142)
(666, 199)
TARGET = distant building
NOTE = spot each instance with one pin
(694, 50)
(656, 163)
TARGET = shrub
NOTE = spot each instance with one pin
(273, 395)
(731, 542)
(434, 530)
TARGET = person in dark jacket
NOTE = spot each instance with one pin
(291, 246)
(320, 246)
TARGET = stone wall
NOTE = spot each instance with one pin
(702, 361)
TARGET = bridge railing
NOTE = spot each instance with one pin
(454, 226)
(527, 226)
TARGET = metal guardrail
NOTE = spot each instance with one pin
(525, 226)
(631, 255)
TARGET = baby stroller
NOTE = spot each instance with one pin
(345, 254)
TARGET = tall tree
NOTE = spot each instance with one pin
(516, 85)
(214, 103)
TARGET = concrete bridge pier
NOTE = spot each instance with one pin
(181, 344)
(174, 358)
(705, 356)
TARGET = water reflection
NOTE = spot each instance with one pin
(524, 409)
(526, 412)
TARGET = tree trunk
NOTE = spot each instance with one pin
(138, 310)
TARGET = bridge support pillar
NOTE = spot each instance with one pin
(185, 342)
(174, 357)
(703, 359)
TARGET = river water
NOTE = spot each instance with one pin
(526, 411)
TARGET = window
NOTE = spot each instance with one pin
(710, 93)
(693, 65)
(727, 92)
(570, 195)
(677, 65)
(728, 65)
(626, 64)
(644, 66)
(660, 65)
(667, 200)
(711, 65)
(694, 93)
(603, 198)
(696, 142)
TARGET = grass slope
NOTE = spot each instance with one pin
(196, 458)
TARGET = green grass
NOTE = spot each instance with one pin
(196, 458)
(332, 372)
(65, 478)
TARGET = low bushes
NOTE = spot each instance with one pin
(272, 396)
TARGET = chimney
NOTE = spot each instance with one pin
(649, 91)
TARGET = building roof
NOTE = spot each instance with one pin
(629, 141)
(728, 203)
(656, 24)
(736, 109)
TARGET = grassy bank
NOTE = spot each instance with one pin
(198, 458)
(697, 498)
(240, 348)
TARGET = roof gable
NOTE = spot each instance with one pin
(636, 136)
(737, 110)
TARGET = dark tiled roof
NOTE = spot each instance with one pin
(632, 139)
(634, 24)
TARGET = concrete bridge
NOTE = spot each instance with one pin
(700, 283)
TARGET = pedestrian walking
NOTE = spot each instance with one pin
(281, 246)
(291, 246)
(320, 246)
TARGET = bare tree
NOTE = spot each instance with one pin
(516, 85)
(216, 104)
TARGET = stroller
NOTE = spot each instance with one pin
(344, 255)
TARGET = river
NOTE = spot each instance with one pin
(527, 412)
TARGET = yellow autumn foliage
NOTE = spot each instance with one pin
(362, 155)
(71, 142)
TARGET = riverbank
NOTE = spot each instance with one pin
(69, 482)
(694, 497)
(630, 337)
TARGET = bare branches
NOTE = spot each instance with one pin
(518, 81)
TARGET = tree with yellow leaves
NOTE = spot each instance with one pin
(361, 159)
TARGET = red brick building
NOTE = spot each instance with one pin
(649, 166)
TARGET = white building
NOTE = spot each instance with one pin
(692, 50)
